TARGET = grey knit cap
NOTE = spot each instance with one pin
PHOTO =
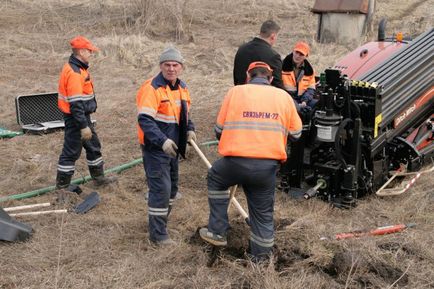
(171, 54)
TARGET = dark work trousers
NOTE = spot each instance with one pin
(162, 179)
(73, 145)
(258, 178)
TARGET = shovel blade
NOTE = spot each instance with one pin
(89, 203)
(12, 230)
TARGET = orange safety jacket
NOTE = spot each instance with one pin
(303, 87)
(75, 95)
(163, 112)
(255, 120)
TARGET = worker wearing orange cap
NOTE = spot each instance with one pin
(298, 79)
(253, 125)
(298, 75)
(77, 101)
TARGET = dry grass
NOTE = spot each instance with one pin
(108, 247)
(160, 18)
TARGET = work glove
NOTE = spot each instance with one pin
(86, 133)
(191, 136)
(305, 109)
(170, 148)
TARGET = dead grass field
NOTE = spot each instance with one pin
(108, 247)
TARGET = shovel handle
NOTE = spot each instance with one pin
(200, 153)
(231, 189)
(237, 205)
(17, 208)
(240, 210)
(39, 213)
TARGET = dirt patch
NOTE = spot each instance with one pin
(286, 258)
(357, 269)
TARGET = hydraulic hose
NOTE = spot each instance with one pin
(338, 150)
(77, 181)
(355, 108)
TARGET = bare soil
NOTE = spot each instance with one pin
(108, 247)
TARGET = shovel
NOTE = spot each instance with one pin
(232, 189)
(86, 205)
(12, 230)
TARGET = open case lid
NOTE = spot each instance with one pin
(38, 112)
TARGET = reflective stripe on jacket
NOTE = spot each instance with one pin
(75, 93)
(159, 111)
(302, 88)
(255, 120)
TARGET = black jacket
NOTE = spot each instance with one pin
(257, 50)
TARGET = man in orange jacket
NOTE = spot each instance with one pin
(164, 127)
(298, 76)
(253, 126)
(77, 101)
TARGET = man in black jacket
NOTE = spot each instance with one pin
(260, 49)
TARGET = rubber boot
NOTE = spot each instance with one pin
(62, 180)
(97, 174)
(62, 183)
(284, 183)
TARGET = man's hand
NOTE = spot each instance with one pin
(191, 136)
(170, 148)
(86, 133)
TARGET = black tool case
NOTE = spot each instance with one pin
(38, 113)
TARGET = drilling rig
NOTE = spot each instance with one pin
(374, 118)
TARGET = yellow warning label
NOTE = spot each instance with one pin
(378, 119)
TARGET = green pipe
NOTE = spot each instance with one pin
(78, 181)
(4, 133)
(210, 143)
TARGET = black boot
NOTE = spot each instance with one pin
(283, 186)
(62, 183)
(97, 174)
(62, 180)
